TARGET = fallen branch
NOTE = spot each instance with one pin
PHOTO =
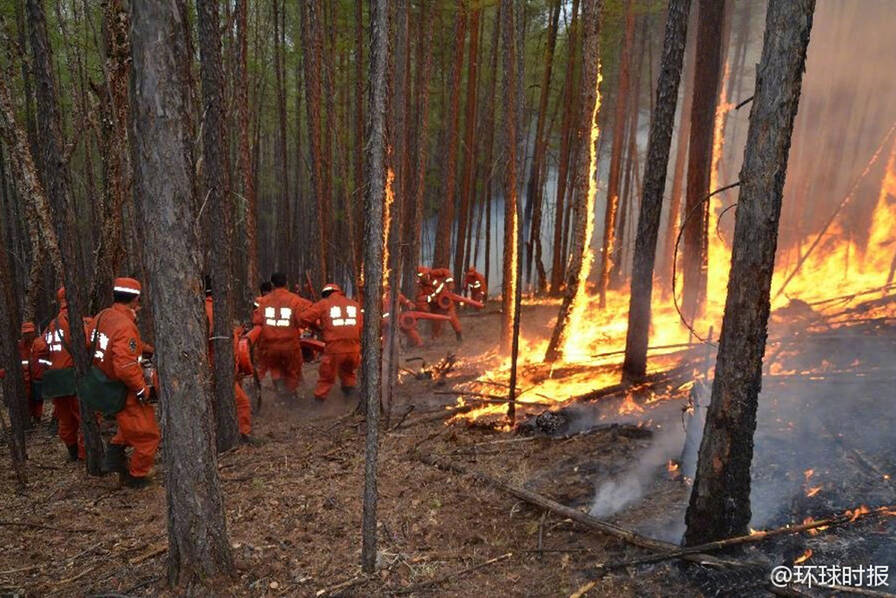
(439, 581)
(71, 530)
(654, 378)
(488, 398)
(842, 519)
(148, 555)
(350, 583)
(574, 514)
(442, 414)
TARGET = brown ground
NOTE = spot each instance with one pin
(294, 507)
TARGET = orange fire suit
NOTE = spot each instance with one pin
(474, 282)
(66, 408)
(442, 282)
(118, 351)
(243, 407)
(33, 369)
(278, 340)
(412, 334)
(339, 319)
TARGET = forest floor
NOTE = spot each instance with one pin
(294, 505)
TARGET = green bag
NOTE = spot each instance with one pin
(58, 383)
(101, 393)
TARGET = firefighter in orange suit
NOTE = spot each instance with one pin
(339, 319)
(31, 347)
(412, 334)
(118, 352)
(243, 408)
(61, 367)
(474, 283)
(443, 282)
(277, 316)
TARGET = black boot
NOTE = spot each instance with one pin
(115, 461)
(348, 390)
(135, 482)
(460, 337)
(72, 452)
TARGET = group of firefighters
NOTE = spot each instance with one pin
(121, 380)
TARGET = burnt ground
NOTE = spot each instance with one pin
(294, 503)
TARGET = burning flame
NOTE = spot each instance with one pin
(803, 557)
(595, 338)
(387, 215)
(629, 406)
(813, 491)
(853, 515)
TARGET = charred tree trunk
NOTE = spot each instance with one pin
(681, 155)
(442, 253)
(612, 208)
(466, 192)
(359, 128)
(635, 365)
(284, 251)
(490, 144)
(585, 180)
(720, 500)
(216, 167)
(535, 187)
(53, 171)
(198, 549)
(511, 218)
(246, 174)
(558, 266)
(373, 270)
(707, 72)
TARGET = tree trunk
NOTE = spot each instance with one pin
(283, 259)
(414, 211)
(585, 182)
(535, 186)
(442, 253)
(249, 199)
(619, 118)
(53, 170)
(13, 385)
(681, 155)
(311, 60)
(720, 500)
(358, 194)
(373, 269)
(558, 265)
(707, 71)
(466, 191)
(511, 218)
(215, 169)
(490, 145)
(115, 110)
(198, 548)
(658, 145)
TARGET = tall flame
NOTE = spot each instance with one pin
(580, 303)
(387, 217)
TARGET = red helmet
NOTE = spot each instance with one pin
(422, 271)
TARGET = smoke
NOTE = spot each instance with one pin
(631, 485)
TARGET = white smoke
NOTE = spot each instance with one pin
(612, 496)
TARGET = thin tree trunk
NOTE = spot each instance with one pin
(311, 60)
(490, 145)
(53, 170)
(467, 183)
(414, 218)
(558, 265)
(720, 500)
(707, 71)
(373, 270)
(511, 218)
(198, 548)
(585, 181)
(442, 253)
(681, 155)
(215, 168)
(619, 119)
(634, 366)
(358, 194)
(247, 176)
